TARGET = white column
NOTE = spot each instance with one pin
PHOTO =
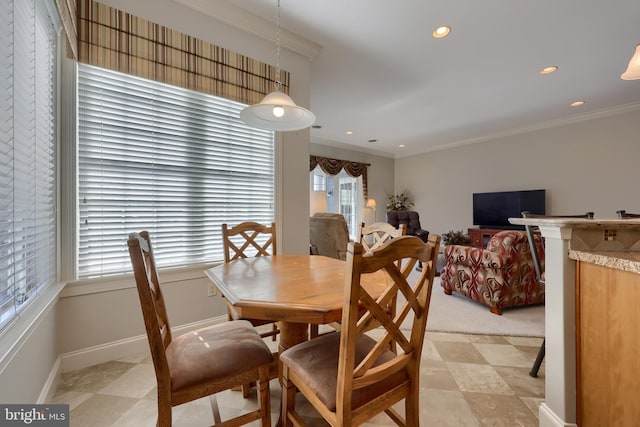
(559, 407)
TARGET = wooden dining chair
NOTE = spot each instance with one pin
(351, 375)
(371, 238)
(245, 240)
(375, 235)
(202, 362)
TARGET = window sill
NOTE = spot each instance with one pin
(126, 281)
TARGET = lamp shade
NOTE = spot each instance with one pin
(277, 112)
(318, 202)
(371, 203)
(633, 70)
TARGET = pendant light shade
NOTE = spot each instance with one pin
(633, 71)
(278, 112)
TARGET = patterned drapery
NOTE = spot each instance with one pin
(334, 166)
(113, 39)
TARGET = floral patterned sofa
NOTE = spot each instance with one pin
(500, 276)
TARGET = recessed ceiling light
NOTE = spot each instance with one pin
(401, 145)
(441, 32)
(349, 132)
(577, 103)
(548, 70)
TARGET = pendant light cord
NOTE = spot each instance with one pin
(278, 83)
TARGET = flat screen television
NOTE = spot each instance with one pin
(493, 210)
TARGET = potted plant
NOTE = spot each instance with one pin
(455, 238)
(399, 202)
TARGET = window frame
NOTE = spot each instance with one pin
(44, 199)
(234, 216)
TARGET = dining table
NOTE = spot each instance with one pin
(294, 290)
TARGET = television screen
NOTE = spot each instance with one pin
(493, 210)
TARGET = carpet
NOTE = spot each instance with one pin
(457, 313)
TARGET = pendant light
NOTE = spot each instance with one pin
(277, 111)
(633, 71)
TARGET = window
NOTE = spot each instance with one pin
(28, 47)
(171, 161)
(344, 193)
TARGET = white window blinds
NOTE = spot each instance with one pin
(174, 162)
(28, 47)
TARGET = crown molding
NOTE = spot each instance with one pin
(605, 112)
(248, 22)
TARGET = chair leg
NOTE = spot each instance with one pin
(215, 409)
(164, 411)
(313, 331)
(538, 361)
(288, 398)
(264, 395)
(496, 310)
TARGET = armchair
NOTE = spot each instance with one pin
(329, 235)
(411, 219)
(501, 276)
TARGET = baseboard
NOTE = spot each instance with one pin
(122, 348)
(548, 418)
(50, 386)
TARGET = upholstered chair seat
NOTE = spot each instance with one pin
(320, 355)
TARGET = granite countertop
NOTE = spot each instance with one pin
(626, 261)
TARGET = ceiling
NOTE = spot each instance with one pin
(379, 72)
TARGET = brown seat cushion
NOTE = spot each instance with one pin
(316, 363)
(216, 352)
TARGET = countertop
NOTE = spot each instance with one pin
(626, 261)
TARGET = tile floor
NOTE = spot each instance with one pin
(466, 380)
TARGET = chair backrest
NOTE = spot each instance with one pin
(622, 214)
(154, 310)
(410, 218)
(329, 234)
(533, 234)
(248, 239)
(360, 310)
(375, 235)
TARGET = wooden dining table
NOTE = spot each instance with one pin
(295, 290)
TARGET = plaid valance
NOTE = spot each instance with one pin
(119, 41)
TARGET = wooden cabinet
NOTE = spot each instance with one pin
(480, 236)
(608, 346)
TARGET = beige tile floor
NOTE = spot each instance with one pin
(466, 380)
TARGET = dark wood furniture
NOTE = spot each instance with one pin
(480, 236)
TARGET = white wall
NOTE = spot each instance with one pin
(584, 166)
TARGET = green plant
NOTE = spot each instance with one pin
(455, 238)
(399, 202)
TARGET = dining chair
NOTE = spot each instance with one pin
(623, 214)
(534, 236)
(375, 235)
(202, 362)
(351, 375)
(371, 238)
(245, 240)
